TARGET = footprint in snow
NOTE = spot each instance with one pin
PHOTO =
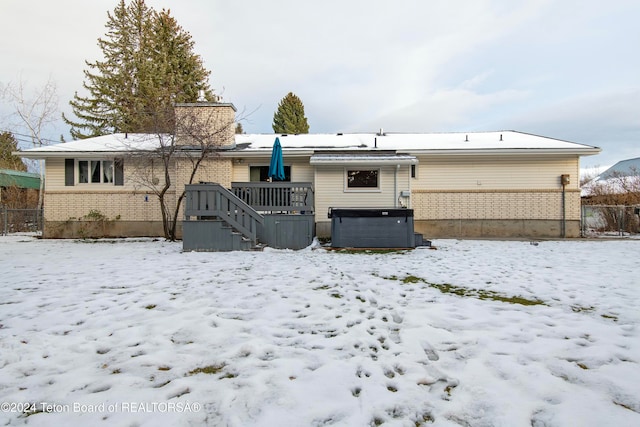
(100, 389)
(397, 317)
(394, 335)
(429, 351)
(361, 372)
(399, 369)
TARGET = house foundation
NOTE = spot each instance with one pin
(488, 228)
(74, 229)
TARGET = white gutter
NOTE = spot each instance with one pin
(505, 151)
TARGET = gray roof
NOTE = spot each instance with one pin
(629, 167)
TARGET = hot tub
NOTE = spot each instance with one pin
(372, 228)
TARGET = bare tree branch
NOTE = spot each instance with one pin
(177, 158)
(34, 111)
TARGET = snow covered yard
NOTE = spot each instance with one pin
(475, 333)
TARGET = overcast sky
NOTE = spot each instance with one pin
(568, 69)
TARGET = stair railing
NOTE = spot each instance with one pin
(206, 201)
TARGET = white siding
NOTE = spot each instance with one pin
(55, 177)
(240, 170)
(301, 170)
(330, 189)
(54, 173)
(495, 172)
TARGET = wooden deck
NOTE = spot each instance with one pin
(276, 196)
(278, 214)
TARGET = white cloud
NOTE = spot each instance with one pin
(605, 119)
(407, 65)
(444, 110)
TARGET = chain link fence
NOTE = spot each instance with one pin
(611, 219)
(20, 220)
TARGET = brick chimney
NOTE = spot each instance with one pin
(210, 123)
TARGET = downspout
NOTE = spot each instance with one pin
(564, 213)
(395, 186)
(564, 180)
(410, 187)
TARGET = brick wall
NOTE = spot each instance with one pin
(216, 169)
(133, 203)
(210, 123)
(495, 204)
(125, 206)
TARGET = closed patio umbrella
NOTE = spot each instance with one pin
(276, 167)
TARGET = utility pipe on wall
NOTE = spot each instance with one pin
(395, 186)
(564, 180)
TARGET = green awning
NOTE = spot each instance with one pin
(11, 178)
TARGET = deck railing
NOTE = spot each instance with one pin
(213, 200)
(276, 196)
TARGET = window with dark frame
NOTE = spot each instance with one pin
(362, 178)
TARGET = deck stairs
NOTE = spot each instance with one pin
(217, 220)
(249, 216)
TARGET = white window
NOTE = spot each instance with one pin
(362, 179)
(95, 171)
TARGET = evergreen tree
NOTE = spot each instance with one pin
(239, 129)
(9, 144)
(289, 117)
(148, 65)
(175, 75)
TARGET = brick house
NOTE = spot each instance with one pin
(476, 184)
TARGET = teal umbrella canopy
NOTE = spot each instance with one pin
(276, 167)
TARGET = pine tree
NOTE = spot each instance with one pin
(9, 144)
(175, 75)
(148, 65)
(289, 117)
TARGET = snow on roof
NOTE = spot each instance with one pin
(612, 185)
(118, 142)
(499, 140)
(407, 142)
(623, 177)
(305, 141)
